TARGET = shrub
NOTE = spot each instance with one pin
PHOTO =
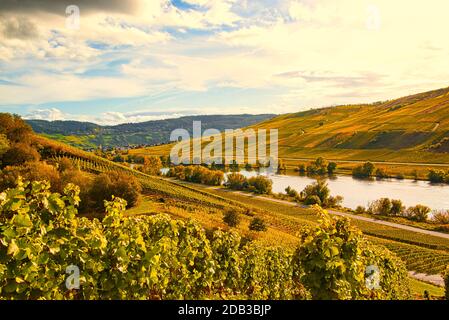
(331, 167)
(197, 174)
(334, 259)
(418, 213)
(380, 207)
(291, 192)
(33, 171)
(18, 154)
(381, 174)
(65, 164)
(260, 184)
(364, 171)
(334, 201)
(312, 199)
(436, 176)
(257, 224)
(118, 184)
(319, 167)
(440, 217)
(360, 210)
(397, 208)
(152, 165)
(318, 189)
(231, 218)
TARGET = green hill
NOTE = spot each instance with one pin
(410, 129)
(89, 135)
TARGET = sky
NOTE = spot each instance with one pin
(117, 61)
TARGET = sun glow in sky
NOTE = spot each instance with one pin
(140, 60)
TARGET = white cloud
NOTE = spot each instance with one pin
(329, 52)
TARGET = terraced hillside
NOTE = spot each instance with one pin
(412, 129)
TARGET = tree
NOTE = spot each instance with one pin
(231, 218)
(260, 184)
(364, 171)
(116, 184)
(257, 224)
(380, 207)
(318, 189)
(418, 213)
(331, 167)
(237, 181)
(396, 208)
(152, 165)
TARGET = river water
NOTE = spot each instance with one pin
(357, 192)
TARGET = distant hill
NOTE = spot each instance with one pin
(89, 135)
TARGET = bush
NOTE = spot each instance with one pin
(446, 283)
(319, 167)
(364, 171)
(312, 199)
(381, 174)
(440, 217)
(291, 192)
(380, 207)
(334, 259)
(152, 165)
(18, 154)
(334, 201)
(197, 174)
(231, 218)
(257, 224)
(260, 184)
(33, 171)
(118, 184)
(331, 167)
(397, 208)
(418, 213)
(360, 210)
(321, 191)
(437, 176)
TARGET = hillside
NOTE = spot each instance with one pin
(89, 135)
(412, 129)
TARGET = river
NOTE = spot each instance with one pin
(357, 192)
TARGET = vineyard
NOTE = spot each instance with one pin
(420, 252)
(417, 258)
(156, 257)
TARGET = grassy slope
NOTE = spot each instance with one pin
(402, 130)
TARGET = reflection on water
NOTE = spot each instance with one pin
(361, 192)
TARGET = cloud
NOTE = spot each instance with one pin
(106, 118)
(46, 114)
(301, 53)
(18, 27)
